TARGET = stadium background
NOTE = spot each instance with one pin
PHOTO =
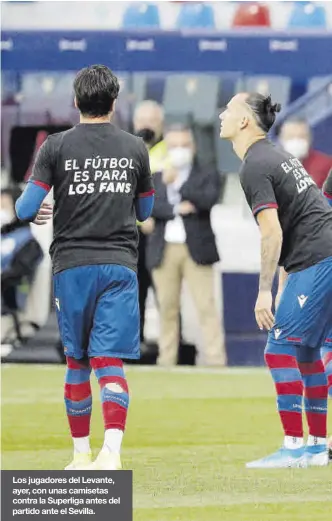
(192, 57)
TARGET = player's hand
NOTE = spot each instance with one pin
(263, 313)
(147, 227)
(44, 214)
(186, 207)
(169, 175)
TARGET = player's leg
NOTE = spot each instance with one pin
(200, 280)
(281, 360)
(315, 403)
(314, 317)
(78, 401)
(327, 360)
(114, 336)
(280, 357)
(74, 291)
(167, 280)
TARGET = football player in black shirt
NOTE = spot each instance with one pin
(295, 223)
(102, 183)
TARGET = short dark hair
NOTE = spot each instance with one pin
(96, 88)
(263, 109)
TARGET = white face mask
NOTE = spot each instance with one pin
(5, 217)
(298, 147)
(180, 157)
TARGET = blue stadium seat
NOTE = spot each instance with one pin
(9, 85)
(194, 95)
(278, 86)
(148, 86)
(195, 15)
(50, 93)
(307, 15)
(141, 15)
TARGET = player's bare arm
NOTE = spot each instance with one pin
(271, 241)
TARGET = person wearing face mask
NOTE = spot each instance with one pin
(183, 246)
(148, 124)
(295, 138)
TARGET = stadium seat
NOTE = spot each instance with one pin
(141, 15)
(193, 97)
(195, 15)
(148, 86)
(278, 86)
(306, 15)
(43, 93)
(9, 86)
(252, 14)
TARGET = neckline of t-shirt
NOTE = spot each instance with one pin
(253, 144)
(94, 124)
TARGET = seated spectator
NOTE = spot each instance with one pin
(20, 256)
(182, 246)
(295, 137)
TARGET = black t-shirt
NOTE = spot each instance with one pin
(97, 171)
(272, 178)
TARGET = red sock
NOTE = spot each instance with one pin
(289, 388)
(315, 396)
(78, 397)
(114, 391)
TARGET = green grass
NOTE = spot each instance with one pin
(188, 438)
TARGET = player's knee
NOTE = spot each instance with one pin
(115, 387)
(116, 392)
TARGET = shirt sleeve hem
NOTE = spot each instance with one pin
(41, 184)
(146, 194)
(263, 206)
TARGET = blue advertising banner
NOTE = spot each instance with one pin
(299, 55)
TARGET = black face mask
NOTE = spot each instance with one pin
(147, 135)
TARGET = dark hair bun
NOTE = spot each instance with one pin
(264, 109)
(276, 107)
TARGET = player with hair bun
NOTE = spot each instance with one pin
(296, 234)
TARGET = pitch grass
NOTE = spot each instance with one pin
(189, 435)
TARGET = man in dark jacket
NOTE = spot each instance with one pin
(183, 246)
(20, 255)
